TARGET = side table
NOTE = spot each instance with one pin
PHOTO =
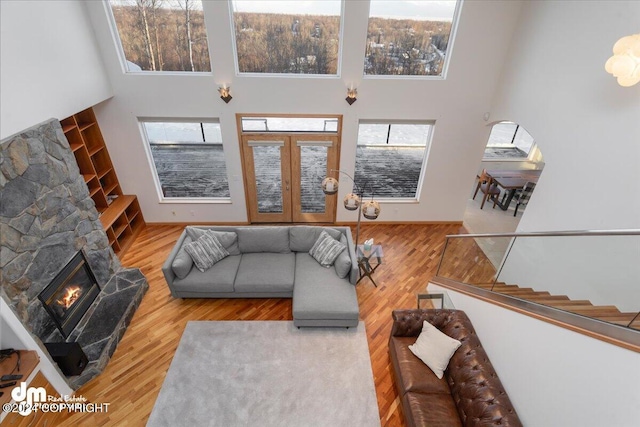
(369, 261)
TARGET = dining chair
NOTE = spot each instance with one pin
(488, 187)
(525, 194)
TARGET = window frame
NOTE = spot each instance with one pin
(425, 157)
(152, 165)
(445, 67)
(122, 57)
(234, 48)
(530, 154)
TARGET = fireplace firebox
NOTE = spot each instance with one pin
(68, 297)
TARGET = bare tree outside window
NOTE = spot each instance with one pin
(287, 37)
(162, 35)
(408, 37)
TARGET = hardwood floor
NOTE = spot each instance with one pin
(132, 380)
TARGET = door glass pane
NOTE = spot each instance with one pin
(313, 165)
(266, 161)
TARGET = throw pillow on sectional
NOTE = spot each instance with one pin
(206, 251)
(183, 262)
(229, 239)
(343, 262)
(326, 249)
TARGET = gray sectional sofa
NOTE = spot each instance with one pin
(272, 262)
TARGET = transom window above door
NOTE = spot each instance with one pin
(290, 124)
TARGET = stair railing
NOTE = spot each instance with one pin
(585, 279)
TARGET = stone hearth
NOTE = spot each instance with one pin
(46, 217)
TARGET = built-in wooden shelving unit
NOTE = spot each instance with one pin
(120, 214)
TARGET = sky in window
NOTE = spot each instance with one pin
(318, 7)
(413, 9)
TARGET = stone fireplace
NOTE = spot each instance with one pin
(47, 218)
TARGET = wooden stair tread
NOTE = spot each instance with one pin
(606, 313)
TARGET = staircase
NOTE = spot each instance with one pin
(607, 313)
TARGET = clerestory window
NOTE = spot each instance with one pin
(287, 37)
(409, 38)
(161, 35)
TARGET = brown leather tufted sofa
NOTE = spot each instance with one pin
(469, 394)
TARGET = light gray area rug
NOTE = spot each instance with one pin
(268, 374)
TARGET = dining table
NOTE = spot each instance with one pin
(511, 180)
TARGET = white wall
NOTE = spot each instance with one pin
(14, 335)
(457, 104)
(588, 128)
(555, 377)
(49, 66)
(586, 125)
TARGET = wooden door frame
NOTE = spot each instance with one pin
(330, 203)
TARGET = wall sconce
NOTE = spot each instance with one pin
(224, 93)
(625, 62)
(351, 95)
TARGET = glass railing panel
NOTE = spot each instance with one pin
(599, 275)
(593, 275)
(474, 261)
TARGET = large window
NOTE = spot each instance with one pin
(391, 157)
(296, 37)
(162, 35)
(509, 141)
(411, 38)
(188, 159)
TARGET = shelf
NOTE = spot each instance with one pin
(119, 229)
(94, 150)
(121, 219)
(68, 124)
(102, 173)
(132, 215)
(83, 126)
(111, 236)
(115, 209)
(110, 188)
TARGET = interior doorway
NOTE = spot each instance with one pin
(285, 159)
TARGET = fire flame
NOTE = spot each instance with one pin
(71, 295)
